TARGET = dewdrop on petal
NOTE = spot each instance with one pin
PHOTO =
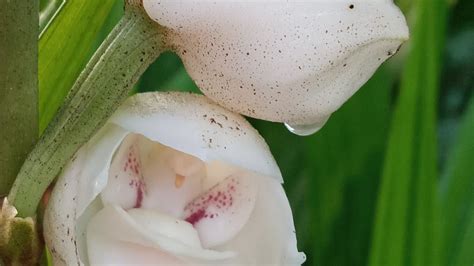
(294, 62)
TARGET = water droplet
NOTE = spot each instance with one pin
(306, 130)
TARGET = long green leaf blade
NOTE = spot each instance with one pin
(48, 10)
(457, 197)
(64, 49)
(406, 222)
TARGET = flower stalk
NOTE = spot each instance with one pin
(106, 81)
(18, 86)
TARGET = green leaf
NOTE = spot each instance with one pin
(48, 10)
(406, 223)
(64, 49)
(457, 197)
(18, 86)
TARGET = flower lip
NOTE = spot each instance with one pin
(284, 61)
(216, 198)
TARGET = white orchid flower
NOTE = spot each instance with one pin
(286, 61)
(172, 179)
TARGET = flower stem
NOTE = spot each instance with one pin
(105, 82)
(18, 86)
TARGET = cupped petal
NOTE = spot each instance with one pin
(194, 125)
(285, 61)
(60, 217)
(80, 182)
(185, 122)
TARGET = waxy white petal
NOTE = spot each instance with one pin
(194, 125)
(176, 123)
(286, 61)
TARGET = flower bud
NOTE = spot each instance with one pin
(20, 242)
(286, 61)
(172, 179)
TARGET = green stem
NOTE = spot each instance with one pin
(105, 82)
(18, 86)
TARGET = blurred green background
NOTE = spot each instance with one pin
(388, 181)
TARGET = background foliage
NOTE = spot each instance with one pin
(388, 181)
